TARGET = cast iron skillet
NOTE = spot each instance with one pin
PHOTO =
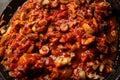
(14, 5)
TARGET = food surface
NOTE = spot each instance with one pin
(60, 40)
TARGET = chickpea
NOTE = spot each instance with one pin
(44, 50)
(62, 7)
(114, 33)
(64, 27)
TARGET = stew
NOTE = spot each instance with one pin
(60, 40)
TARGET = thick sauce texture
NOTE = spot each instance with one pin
(60, 40)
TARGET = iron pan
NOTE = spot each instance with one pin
(15, 4)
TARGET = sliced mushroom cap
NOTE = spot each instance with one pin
(61, 61)
(82, 74)
(45, 2)
(94, 76)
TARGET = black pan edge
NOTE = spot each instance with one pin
(115, 4)
(6, 16)
(10, 10)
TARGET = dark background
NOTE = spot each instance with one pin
(3, 4)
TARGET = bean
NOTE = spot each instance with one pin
(44, 50)
(64, 27)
